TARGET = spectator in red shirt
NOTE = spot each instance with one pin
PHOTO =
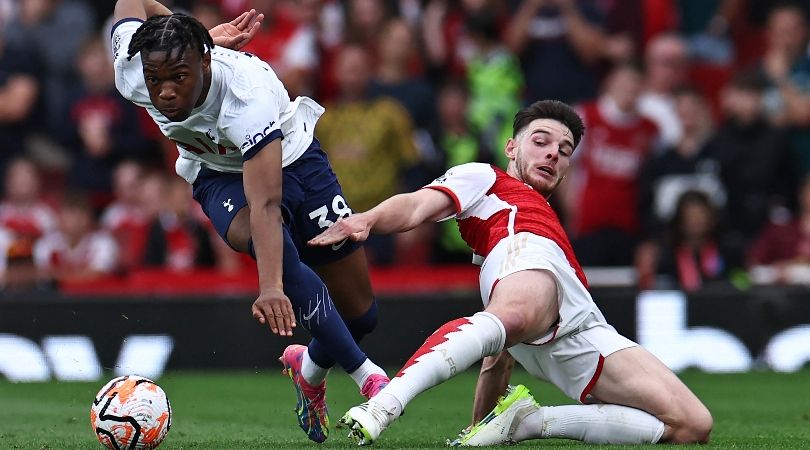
(178, 239)
(126, 218)
(24, 217)
(77, 250)
(785, 243)
(23, 211)
(667, 61)
(602, 200)
(102, 132)
(288, 43)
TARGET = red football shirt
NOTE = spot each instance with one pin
(492, 205)
(610, 156)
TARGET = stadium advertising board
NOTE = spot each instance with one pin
(81, 339)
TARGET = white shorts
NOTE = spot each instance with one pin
(569, 355)
(527, 251)
(573, 362)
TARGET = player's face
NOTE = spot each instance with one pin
(540, 154)
(175, 81)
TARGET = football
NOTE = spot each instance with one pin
(131, 413)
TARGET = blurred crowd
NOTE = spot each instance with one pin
(694, 168)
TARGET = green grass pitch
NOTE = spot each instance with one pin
(247, 410)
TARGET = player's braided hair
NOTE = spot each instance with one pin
(169, 33)
(550, 109)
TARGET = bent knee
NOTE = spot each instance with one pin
(694, 429)
(517, 327)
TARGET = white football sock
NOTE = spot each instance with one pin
(593, 424)
(451, 349)
(362, 373)
(312, 373)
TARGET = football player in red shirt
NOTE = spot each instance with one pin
(537, 308)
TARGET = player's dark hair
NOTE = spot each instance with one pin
(550, 109)
(169, 33)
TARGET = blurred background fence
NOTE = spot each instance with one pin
(78, 336)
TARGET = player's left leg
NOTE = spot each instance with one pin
(635, 377)
(576, 364)
(518, 417)
(641, 400)
(348, 282)
(573, 363)
(314, 199)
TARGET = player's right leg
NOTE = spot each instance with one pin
(223, 200)
(523, 306)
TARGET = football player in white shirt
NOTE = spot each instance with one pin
(537, 307)
(261, 177)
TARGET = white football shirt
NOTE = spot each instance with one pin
(246, 107)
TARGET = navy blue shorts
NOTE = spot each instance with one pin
(311, 201)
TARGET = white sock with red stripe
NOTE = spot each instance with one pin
(451, 349)
(593, 424)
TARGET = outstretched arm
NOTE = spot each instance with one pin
(238, 32)
(492, 381)
(233, 35)
(401, 212)
(517, 33)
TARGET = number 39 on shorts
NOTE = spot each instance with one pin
(339, 207)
